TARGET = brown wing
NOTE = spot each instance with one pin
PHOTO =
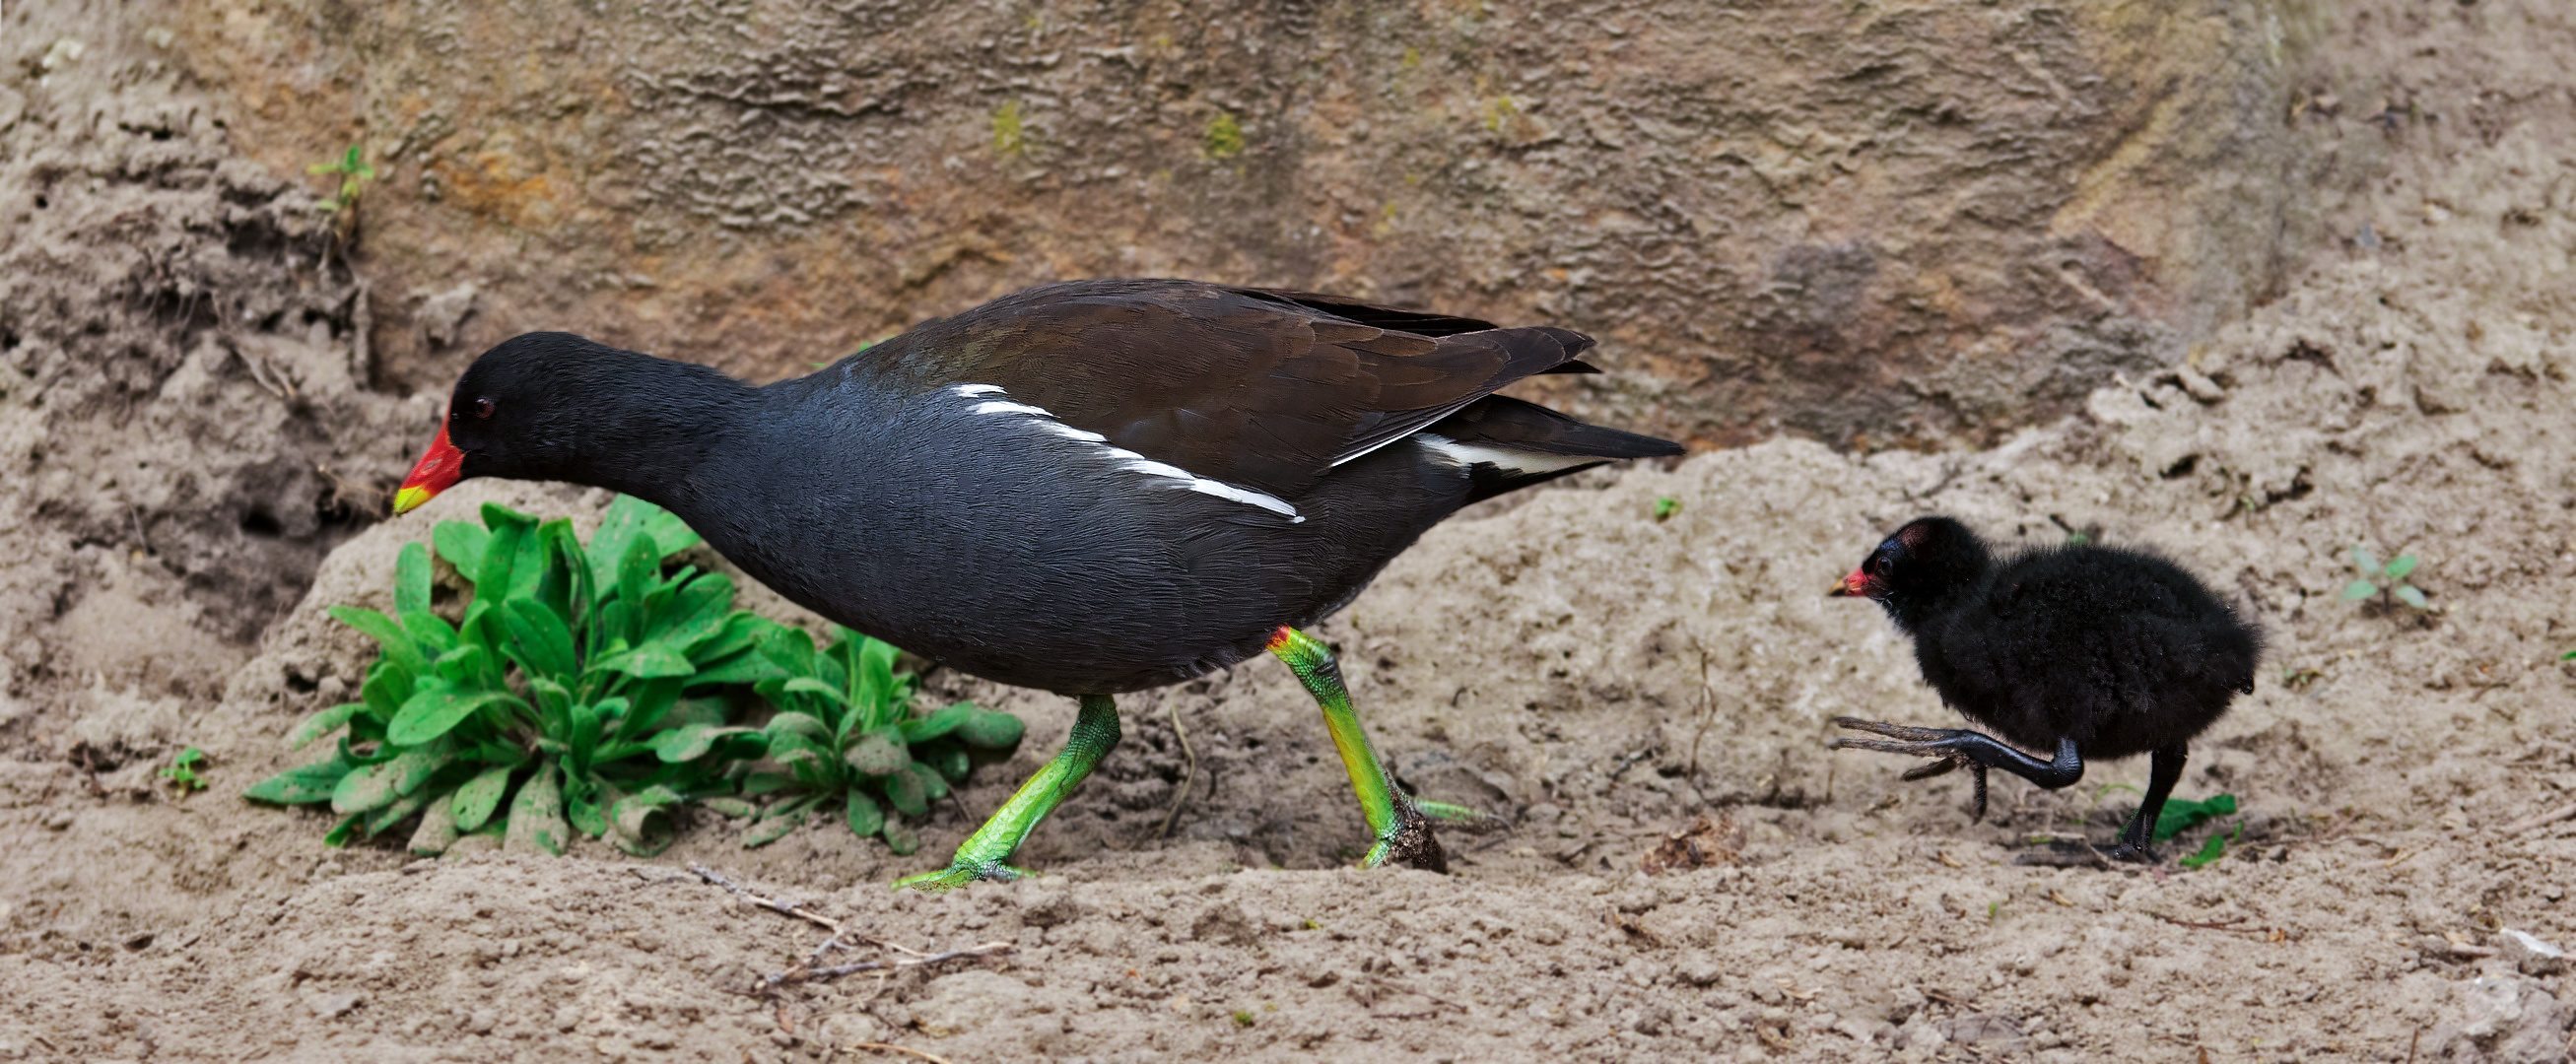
(1265, 389)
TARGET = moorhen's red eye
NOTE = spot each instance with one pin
(483, 409)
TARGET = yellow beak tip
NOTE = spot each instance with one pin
(409, 499)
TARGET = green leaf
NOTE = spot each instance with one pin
(429, 714)
(461, 543)
(437, 830)
(2182, 814)
(2359, 590)
(944, 757)
(689, 742)
(698, 612)
(874, 689)
(636, 575)
(411, 580)
(933, 786)
(323, 723)
(650, 661)
(2365, 561)
(463, 666)
(394, 814)
(865, 816)
(431, 631)
(585, 724)
(2398, 569)
(536, 815)
(745, 666)
(348, 829)
(812, 686)
(904, 791)
(729, 807)
(541, 637)
(764, 832)
(2411, 595)
(398, 645)
(882, 752)
(474, 802)
(500, 553)
(760, 783)
(377, 786)
(806, 758)
(900, 837)
(2215, 848)
(387, 686)
(985, 729)
(584, 801)
(936, 725)
(301, 786)
(641, 822)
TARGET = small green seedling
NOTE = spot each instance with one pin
(2300, 677)
(2389, 579)
(2183, 814)
(183, 770)
(1666, 506)
(2215, 848)
(845, 732)
(1243, 1017)
(354, 174)
(1009, 137)
(1224, 136)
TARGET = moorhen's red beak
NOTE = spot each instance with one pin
(438, 471)
(1855, 584)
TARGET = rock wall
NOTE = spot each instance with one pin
(1878, 224)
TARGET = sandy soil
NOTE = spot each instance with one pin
(1605, 680)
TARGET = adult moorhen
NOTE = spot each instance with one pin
(1090, 487)
(2093, 652)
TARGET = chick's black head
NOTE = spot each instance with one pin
(1919, 568)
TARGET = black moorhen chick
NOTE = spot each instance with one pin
(2093, 652)
(1091, 487)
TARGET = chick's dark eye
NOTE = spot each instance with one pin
(1882, 565)
(483, 408)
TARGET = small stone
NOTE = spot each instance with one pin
(332, 1006)
(2532, 955)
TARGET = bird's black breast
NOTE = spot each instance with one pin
(2122, 651)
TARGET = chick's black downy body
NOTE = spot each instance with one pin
(2090, 652)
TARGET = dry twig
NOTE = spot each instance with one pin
(2539, 820)
(882, 1047)
(806, 970)
(1188, 777)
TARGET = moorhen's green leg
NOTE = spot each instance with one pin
(1095, 730)
(1403, 830)
(2162, 773)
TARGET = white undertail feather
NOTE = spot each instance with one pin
(1530, 462)
(1127, 460)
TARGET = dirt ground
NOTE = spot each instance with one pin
(1602, 678)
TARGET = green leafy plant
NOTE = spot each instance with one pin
(1224, 136)
(845, 732)
(2389, 579)
(566, 688)
(182, 772)
(2183, 814)
(1666, 506)
(354, 175)
(2215, 848)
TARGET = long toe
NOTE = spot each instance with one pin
(1895, 731)
(2133, 853)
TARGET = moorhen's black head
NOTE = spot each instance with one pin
(1919, 568)
(555, 406)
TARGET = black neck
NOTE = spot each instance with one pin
(627, 422)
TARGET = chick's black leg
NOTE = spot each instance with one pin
(1976, 751)
(2162, 774)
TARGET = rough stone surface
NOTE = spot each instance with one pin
(1882, 223)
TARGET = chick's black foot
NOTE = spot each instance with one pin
(1977, 750)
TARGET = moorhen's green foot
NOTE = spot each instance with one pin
(958, 875)
(1402, 827)
(982, 855)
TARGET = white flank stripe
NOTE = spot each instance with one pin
(1004, 407)
(1516, 461)
(1129, 460)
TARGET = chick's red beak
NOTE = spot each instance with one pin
(1855, 584)
(438, 470)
